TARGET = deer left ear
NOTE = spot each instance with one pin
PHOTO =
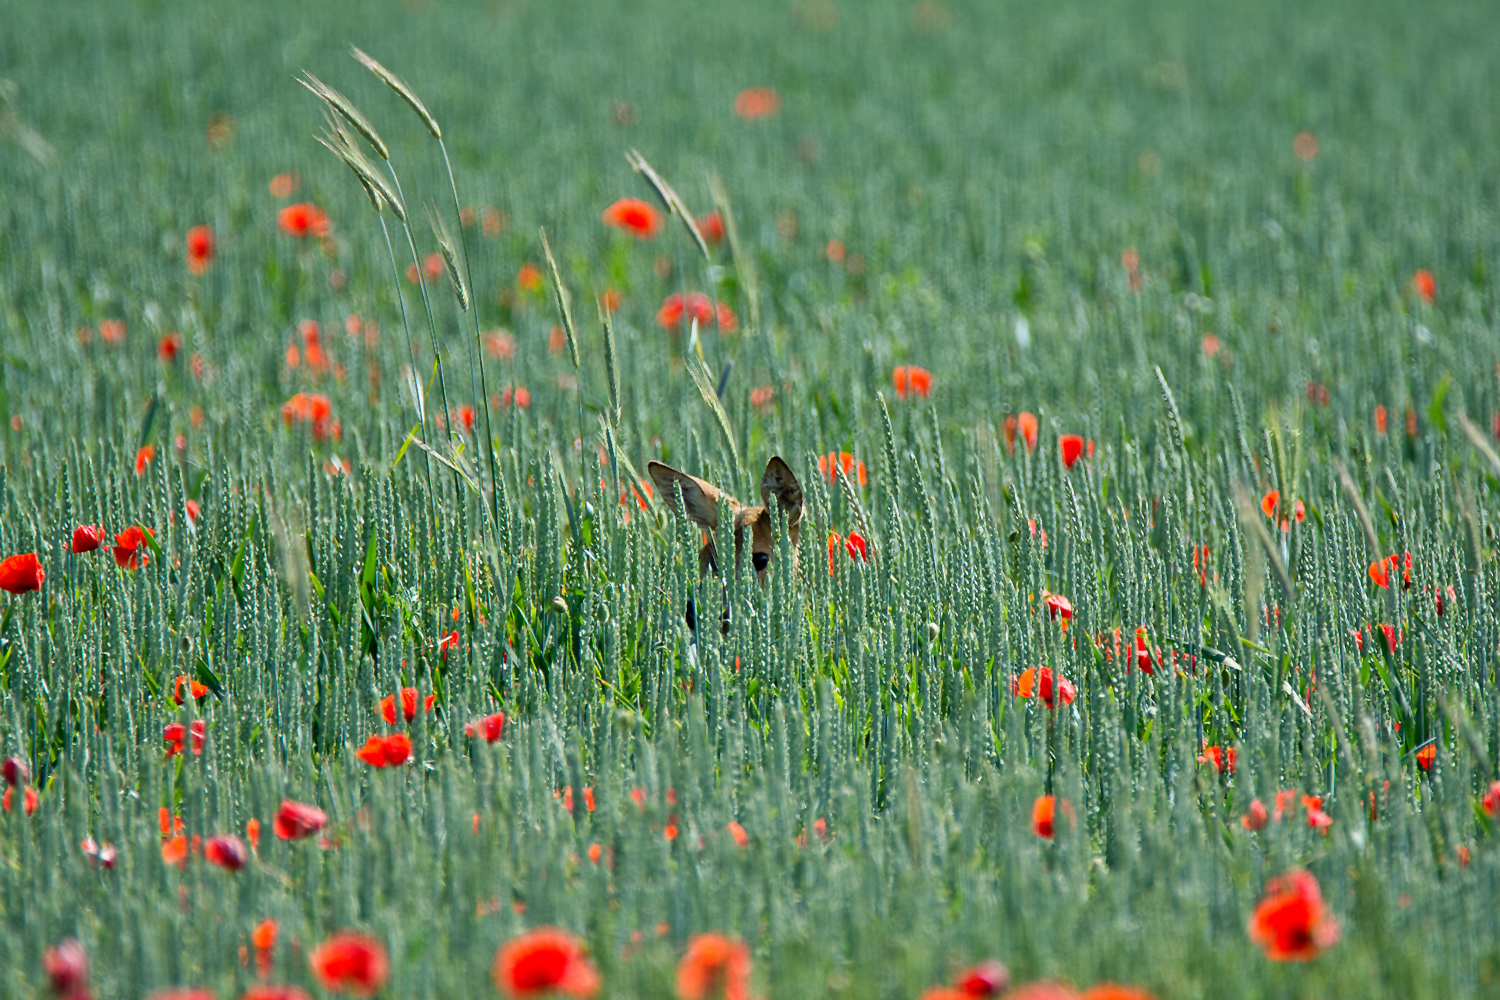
(779, 484)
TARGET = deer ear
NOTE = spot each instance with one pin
(779, 484)
(700, 498)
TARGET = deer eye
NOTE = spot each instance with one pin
(760, 561)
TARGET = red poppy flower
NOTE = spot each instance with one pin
(942, 993)
(1130, 259)
(252, 831)
(542, 961)
(28, 800)
(1380, 420)
(1388, 633)
(296, 820)
(1059, 606)
(112, 331)
(712, 227)
(14, 771)
(349, 962)
(130, 548)
(1269, 502)
(1380, 574)
(200, 249)
(634, 216)
(757, 102)
(195, 689)
(491, 727)
(302, 220)
(988, 978)
(855, 545)
(1426, 756)
(741, 838)
(1071, 446)
(1491, 800)
(226, 850)
(760, 396)
(191, 509)
(385, 751)
(175, 733)
(275, 991)
(1425, 285)
(1043, 812)
(1143, 652)
(168, 347)
(87, 537)
(1255, 816)
(143, 457)
(21, 574)
(1291, 924)
(1317, 819)
(714, 967)
(408, 705)
(1223, 759)
(1040, 682)
(67, 967)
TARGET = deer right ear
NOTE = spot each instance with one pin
(700, 498)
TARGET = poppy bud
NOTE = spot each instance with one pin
(14, 771)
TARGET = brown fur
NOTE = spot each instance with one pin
(701, 499)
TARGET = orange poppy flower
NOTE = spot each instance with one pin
(712, 227)
(408, 705)
(757, 102)
(130, 548)
(1042, 990)
(350, 962)
(543, 961)
(529, 279)
(1255, 816)
(22, 573)
(634, 216)
(1305, 146)
(611, 300)
(491, 727)
(143, 458)
(1291, 924)
(760, 396)
(1222, 758)
(1425, 285)
(226, 850)
(195, 689)
(283, 185)
(298, 820)
(264, 940)
(1026, 423)
(1130, 259)
(112, 331)
(1071, 447)
(183, 993)
(252, 831)
(174, 851)
(741, 838)
(715, 967)
(200, 249)
(275, 991)
(920, 381)
(1114, 991)
(1380, 420)
(1043, 812)
(501, 344)
(1269, 503)
(302, 220)
(1426, 756)
(988, 978)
